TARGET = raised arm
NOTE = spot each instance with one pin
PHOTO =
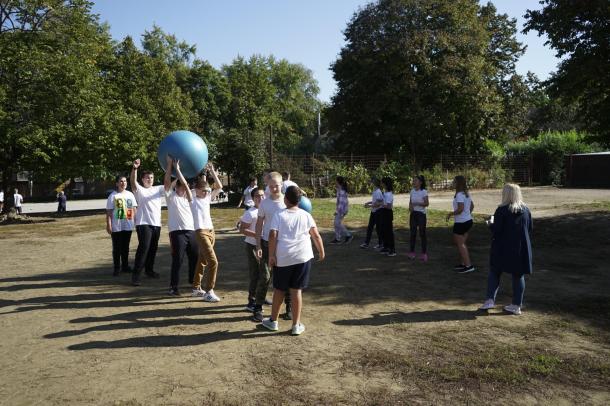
(167, 179)
(133, 178)
(217, 183)
(189, 195)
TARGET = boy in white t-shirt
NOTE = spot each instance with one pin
(248, 228)
(375, 204)
(246, 198)
(204, 232)
(18, 201)
(266, 211)
(291, 254)
(148, 221)
(418, 201)
(180, 223)
(121, 208)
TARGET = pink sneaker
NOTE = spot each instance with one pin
(411, 255)
(424, 257)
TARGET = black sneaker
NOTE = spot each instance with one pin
(135, 279)
(364, 245)
(348, 239)
(288, 314)
(173, 292)
(258, 314)
(391, 253)
(466, 269)
(335, 242)
(153, 275)
(458, 267)
(250, 306)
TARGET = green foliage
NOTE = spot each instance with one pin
(425, 78)
(550, 149)
(400, 174)
(578, 31)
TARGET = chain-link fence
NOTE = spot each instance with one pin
(316, 173)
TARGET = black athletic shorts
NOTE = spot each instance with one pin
(291, 277)
(462, 228)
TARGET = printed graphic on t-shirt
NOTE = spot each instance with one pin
(123, 208)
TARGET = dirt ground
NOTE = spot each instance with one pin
(379, 330)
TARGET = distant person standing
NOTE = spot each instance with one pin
(18, 201)
(511, 247)
(61, 202)
(246, 198)
(148, 221)
(1, 200)
(120, 214)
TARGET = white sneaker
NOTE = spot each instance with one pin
(198, 292)
(489, 304)
(270, 325)
(514, 309)
(297, 329)
(211, 297)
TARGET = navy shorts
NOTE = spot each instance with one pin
(462, 228)
(291, 277)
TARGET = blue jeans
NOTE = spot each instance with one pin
(493, 283)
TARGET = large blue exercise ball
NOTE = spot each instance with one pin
(305, 204)
(186, 146)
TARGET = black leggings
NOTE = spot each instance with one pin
(418, 219)
(374, 224)
(148, 241)
(183, 242)
(387, 228)
(120, 249)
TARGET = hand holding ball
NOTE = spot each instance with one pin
(186, 147)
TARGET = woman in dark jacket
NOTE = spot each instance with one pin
(511, 249)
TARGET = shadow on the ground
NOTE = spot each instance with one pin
(570, 278)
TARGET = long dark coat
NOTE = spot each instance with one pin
(511, 247)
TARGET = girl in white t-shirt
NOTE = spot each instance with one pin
(375, 204)
(204, 231)
(462, 214)
(290, 256)
(418, 202)
(387, 218)
(247, 226)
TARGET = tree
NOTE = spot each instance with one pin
(50, 88)
(422, 78)
(579, 32)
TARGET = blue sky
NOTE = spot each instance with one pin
(307, 32)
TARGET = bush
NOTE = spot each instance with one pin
(549, 150)
(399, 173)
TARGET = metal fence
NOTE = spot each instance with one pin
(317, 172)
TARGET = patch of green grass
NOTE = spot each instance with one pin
(543, 364)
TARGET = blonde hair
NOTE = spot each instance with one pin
(276, 176)
(511, 197)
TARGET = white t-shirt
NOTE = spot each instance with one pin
(267, 210)
(250, 217)
(293, 240)
(286, 184)
(122, 206)
(149, 205)
(18, 199)
(1, 196)
(417, 196)
(465, 215)
(200, 207)
(388, 199)
(248, 202)
(179, 216)
(267, 192)
(377, 197)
